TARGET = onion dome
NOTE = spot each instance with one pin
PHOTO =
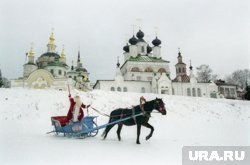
(179, 54)
(81, 69)
(118, 64)
(149, 49)
(139, 34)
(126, 48)
(50, 54)
(31, 52)
(156, 42)
(133, 40)
(190, 67)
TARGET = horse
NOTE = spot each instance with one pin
(141, 120)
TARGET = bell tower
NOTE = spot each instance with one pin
(29, 67)
(180, 66)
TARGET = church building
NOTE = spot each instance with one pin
(142, 66)
(50, 70)
(145, 71)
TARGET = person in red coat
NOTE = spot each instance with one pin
(75, 112)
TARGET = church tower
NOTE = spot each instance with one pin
(180, 66)
(141, 44)
(156, 48)
(133, 48)
(63, 56)
(118, 74)
(51, 45)
(31, 56)
(79, 64)
(192, 78)
(29, 67)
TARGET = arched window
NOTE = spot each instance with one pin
(193, 92)
(143, 90)
(188, 92)
(199, 92)
(222, 90)
(161, 70)
(125, 89)
(112, 89)
(173, 91)
(148, 69)
(119, 89)
(183, 70)
(179, 70)
(142, 49)
(59, 72)
(135, 69)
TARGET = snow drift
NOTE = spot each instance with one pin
(25, 119)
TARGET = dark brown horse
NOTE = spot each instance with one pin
(156, 104)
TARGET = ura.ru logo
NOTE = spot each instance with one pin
(216, 156)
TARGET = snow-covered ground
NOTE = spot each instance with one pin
(25, 119)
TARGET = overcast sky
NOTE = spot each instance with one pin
(213, 32)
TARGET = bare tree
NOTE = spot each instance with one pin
(240, 78)
(4, 82)
(204, 73)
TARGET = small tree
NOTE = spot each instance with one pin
(204, 73)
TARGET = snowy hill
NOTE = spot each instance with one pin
(25, 119)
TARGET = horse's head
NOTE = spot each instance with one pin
(160, 106)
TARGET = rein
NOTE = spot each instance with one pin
(101, 113)
(121, 115)
(106, 115)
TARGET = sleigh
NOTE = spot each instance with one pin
(87, 127)
(83, 128)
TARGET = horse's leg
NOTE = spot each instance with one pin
(138, 133)
(119, 131)
(108, 128)
(106, 131)
(151, 132)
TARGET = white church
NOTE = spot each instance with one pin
(145, 71)
(50, 70)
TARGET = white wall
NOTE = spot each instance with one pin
(130, 85)
(56, 71)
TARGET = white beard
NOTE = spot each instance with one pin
(76, 109)
(78, 102)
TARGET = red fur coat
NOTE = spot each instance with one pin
(71, 109)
